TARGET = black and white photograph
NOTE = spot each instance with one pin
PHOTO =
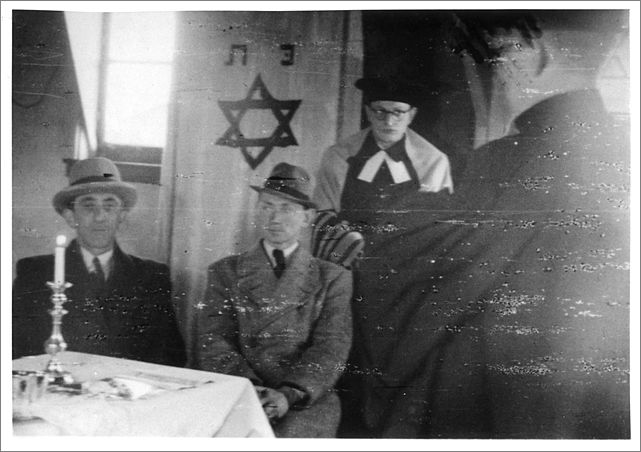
(351, 225)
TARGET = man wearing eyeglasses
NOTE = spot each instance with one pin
(118, 304)
(379, 181)
(374, 168)
(279, 316)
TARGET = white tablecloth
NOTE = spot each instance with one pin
(217, 405)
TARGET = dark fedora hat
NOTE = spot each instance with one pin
(94, 175)
(389, 88)
(290, 182)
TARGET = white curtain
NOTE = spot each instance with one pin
(311, 57)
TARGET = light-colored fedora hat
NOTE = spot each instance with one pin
(94, 175)
(290, 182)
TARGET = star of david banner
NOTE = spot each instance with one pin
(252, 89)
(283, 111)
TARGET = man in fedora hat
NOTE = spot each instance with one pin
(118, 305)
(279, 316)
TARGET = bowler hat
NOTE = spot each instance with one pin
(388, 88)
(94, 175)
(290, 182)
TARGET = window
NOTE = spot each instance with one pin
(134, 92)
(614, 79)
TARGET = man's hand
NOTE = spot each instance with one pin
(274, 402)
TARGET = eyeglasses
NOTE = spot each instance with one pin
(93, 207)
(382, 113)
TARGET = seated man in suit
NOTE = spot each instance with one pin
(118, 305)
(279, 316)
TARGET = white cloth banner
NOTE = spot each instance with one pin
(251, 89)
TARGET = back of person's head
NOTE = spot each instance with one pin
(524, 57)
(574, 38)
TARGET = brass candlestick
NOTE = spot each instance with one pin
(56, 343)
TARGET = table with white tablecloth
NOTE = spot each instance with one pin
(189, 403)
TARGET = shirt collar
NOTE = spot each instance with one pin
(562, 111)
(287, 251)
(104, 258)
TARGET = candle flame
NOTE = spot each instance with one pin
(61, 240)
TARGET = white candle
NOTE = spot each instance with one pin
(59, 264)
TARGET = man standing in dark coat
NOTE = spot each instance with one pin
(118, 305)
(531, 260)
(502, 311)
(366, 179)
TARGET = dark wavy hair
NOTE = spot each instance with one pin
(472, 29)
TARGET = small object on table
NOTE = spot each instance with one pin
(28, 386)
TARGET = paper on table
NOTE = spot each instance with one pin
(169, 382)
(141, 384)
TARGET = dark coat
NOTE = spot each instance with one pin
(504, 312)
(542, 254)
(293, 331)
(131, 318)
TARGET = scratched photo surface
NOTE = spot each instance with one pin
(490, 269)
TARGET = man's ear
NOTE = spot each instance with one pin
(122, 216)
(69, 217)
(368, 113)
(413, 112)
(544, 58)
(310, 216)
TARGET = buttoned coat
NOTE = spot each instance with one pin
(131, 317)
(293, 331)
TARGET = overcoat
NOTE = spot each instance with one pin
(504, 311)
(294, 331)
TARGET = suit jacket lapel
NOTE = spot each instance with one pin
(121, 270)
(82, 297)
(76, 273)
(272, 295)
(75, 268)
(82, 292)
(300, 277)
(255, 275)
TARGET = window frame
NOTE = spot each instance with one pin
(141, 164)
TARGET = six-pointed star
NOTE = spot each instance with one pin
(234, 111)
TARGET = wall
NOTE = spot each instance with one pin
(48, 127)
(416, 46)
(202, 210)
(46, 114)
(207, 179)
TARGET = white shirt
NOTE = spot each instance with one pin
(104, 258)
(287, 251)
